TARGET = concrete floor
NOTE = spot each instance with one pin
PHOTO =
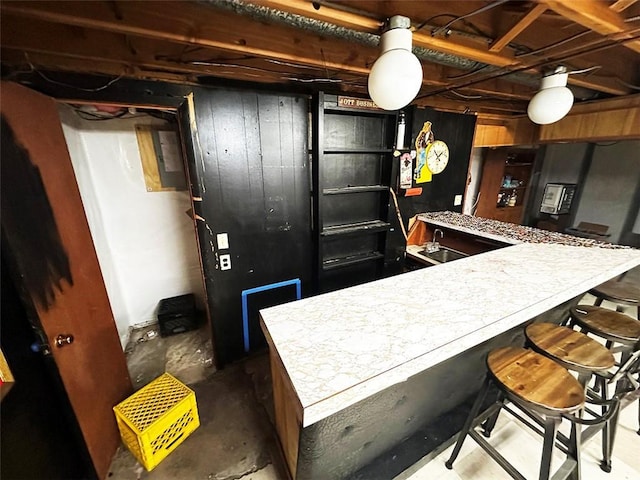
(236, 439)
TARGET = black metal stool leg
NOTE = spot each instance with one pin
(598, 302)
(612, 426)
(573, 449)
(605, 464)
(469, 421)
(489, 424)
(550, 429)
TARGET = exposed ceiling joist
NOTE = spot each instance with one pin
(224, 26)
(514, 31)
(622, 5)
(485, 60)
(596, 16)
(472, 50)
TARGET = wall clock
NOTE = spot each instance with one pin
(437, 156)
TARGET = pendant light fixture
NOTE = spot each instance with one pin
(553, 101)
(396, 76)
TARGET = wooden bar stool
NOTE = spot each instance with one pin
(622, 334)
(613, 326)
(576, 351)
(539, 387)
(573, 350)
(620, 292)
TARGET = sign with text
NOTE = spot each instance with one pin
(353, 102)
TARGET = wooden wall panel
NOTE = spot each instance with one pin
(521, 131)
(621, 124)
(253, 178)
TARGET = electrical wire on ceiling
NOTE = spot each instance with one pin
(467, 74)
(94, 116)
(125, 113)
(585, 70)
(501, 72)
(283, 75)
(467, 15)
(288, 64)
(626, 84)
(179, 59)
(470, 97)
(62, 84)
(457, 17)
(554, 45)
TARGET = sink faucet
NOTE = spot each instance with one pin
(433, 245)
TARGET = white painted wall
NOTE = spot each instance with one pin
(145, 242)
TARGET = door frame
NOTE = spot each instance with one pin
(8, 253)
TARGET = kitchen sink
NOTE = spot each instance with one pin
(443, 255)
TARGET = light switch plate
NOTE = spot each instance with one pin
(222, 239)
(225, 262)
(457, 200)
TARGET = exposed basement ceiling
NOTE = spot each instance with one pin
(479, 56)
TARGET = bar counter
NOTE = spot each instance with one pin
(335, 352)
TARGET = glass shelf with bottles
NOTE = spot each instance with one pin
(509, 198)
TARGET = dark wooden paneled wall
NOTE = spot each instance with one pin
(251, 169)
(457, 131)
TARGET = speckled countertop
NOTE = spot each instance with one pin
(507, 232)
(344, 346)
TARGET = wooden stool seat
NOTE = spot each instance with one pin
(535, 379)
(544, 391)
(573, 350)
(620, 292)
(608, 324)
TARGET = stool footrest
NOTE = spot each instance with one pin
(493, 453)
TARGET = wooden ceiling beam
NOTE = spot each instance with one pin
(194, 24)
(622, 5)
(100, 51)
(471, 106)
(74, 65)
(518, 28)
(187, 25)
(97, 44)
(596, 16)
(363, 23)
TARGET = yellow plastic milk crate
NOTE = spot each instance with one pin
(156, 419)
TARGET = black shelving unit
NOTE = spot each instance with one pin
(352, 158)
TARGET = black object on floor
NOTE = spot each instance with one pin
(177, 315)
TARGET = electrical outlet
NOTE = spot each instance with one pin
(457, 200)
(225, 262)
(223, 241)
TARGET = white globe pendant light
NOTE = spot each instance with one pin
(396, 76)
(553, 101)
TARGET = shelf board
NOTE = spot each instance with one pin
(508, 206)
(350, 260)
(356, 189)
(357, 111)
(356, 228)
(380, 151)
(523, 187)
